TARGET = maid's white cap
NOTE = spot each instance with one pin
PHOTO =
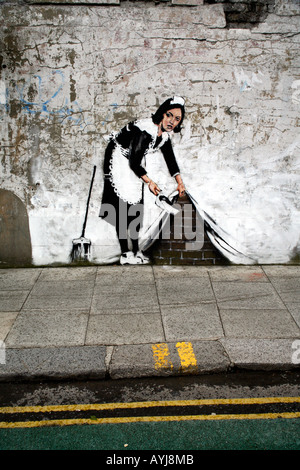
(177, 100)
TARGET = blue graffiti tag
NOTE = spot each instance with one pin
(42, 105)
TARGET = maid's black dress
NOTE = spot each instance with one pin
(124, 165)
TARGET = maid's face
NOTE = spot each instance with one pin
(171, 119)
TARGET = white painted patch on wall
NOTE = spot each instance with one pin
(248, 195)
(2, 92)
(296, 92)
(247, 80)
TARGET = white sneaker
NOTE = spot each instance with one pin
(141, 258)
(127, 258)
(130, 258)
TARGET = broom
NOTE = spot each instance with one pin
(82, 246)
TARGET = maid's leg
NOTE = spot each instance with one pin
(122, 225)
(136, 219)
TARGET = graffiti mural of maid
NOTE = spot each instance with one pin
(126, 174)
(143, 181)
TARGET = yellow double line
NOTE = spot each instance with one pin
(162, 360)
(150, 404)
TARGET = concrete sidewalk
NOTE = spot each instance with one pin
(137, 321)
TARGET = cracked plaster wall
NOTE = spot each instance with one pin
(70, 74)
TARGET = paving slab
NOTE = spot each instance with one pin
(42, 328)
(18, 279)
(178, 272)
(129, 276)
(294, 309)
(247, 295)
(130, 328)
(292, 296)
(191, 322)
(6, 322)
(62, 289)
(59, 295)
(120, 298)
(286, 284)
(174, 291)
(12, 300)
(237, 273)
(281, 270)
(258, 323)
(87, 273)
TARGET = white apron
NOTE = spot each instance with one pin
(126, 184)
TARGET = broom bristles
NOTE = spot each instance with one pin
(81, 249)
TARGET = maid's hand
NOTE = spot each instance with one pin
(153, 188)
(181, 189)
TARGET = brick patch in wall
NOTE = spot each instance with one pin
(175, 248)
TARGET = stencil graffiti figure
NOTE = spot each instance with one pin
(125, 174)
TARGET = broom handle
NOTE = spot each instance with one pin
(88, 202)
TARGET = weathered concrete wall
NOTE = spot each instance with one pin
(70, 74)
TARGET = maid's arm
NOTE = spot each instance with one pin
(168, 153)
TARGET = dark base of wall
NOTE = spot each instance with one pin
(244, 13)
